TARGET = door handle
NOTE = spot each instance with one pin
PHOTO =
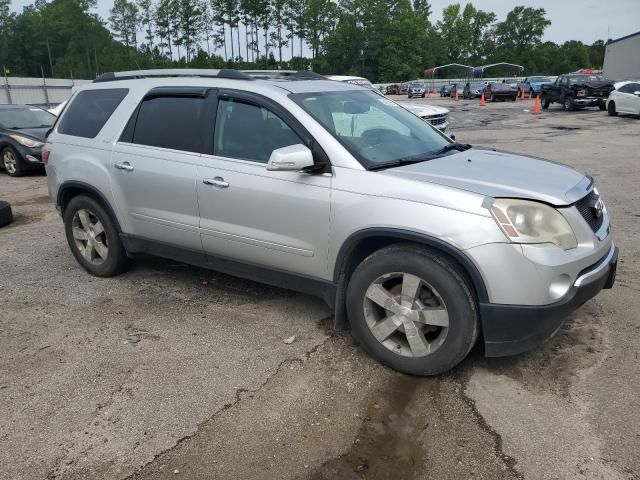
(126, 166)
(216, 182)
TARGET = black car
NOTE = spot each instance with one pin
(499, 91)
(22, 132)
(473, 89)
(577, 91)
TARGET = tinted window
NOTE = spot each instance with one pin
(629, 88)
(249, 132)
(89, 111)
(171, 122)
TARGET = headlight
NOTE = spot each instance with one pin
(26, 141)
(523, 221)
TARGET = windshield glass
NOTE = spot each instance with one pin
(477, 86)
(17, 118)
(539, 79)
(584, 78)
(374, 129)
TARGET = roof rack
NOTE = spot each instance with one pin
(283, 74)
(173, 72)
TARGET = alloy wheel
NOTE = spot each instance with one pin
(406, 314)
(10, 162)
(90, 237)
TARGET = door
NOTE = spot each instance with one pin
(626, 101)
(278, 220)
(155, 168)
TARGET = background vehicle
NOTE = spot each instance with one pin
(392, 90)
(499, 91)
(250, 177)
(416, 90)
(577, 91)
(533, 85)
(456, 88)
(403, 88)
(473, 89)
(445, 89)
(625, 98)
(22, 132)
(57, 109)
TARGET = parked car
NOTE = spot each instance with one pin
(625, 98)
(445, 89)
(436, 116)
(403, 89)
(499, 91)
(420, 243)
(456, 89)
(416, 90)
(473, 90)
(533, 85)
(22, 132)
(392, 90)
(577, 91)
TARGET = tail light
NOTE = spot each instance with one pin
(45, 156)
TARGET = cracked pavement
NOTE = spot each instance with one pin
(175, 368)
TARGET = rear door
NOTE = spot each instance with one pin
(155, 166)
(278, 220)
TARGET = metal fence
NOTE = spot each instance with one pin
(43, 92)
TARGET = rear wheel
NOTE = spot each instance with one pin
(11, 162)
(611, 109)
(412, 309)
(93, 238)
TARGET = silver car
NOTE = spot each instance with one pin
(416, 242)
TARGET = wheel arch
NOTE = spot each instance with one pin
(72, 188)
(363, 243)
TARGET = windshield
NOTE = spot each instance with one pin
(17, 118)
(477, 86)
(374, 129)
(539, 79)
(585, 78)
(500, 86)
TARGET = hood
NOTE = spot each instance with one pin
(423, 110)
(37, 133)
(596, 84)
(500, 174)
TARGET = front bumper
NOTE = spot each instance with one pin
(589, 101)
(32, 156)
(513, 329)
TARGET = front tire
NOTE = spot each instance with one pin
(611, 109)
(568, 104)
(412, 309)
(11, 162)
(93, 238)
(545, 102)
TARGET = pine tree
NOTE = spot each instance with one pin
(124, 21)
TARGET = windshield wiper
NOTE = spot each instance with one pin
(421, 158)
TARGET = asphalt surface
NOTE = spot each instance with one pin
(171, 371)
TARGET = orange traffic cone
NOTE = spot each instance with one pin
(456, 97)
(522, 94)
(482, 100)
(428, 93)
(536, 107)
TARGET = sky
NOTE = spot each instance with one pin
(584, 20)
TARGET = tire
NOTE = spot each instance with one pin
(11, 162)
(545, 102)
(567, 104)
(6, 215)
(611, 109)
(435, 348)
(513, 99)
(602, 107)
(94, 260)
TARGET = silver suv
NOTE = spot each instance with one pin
(417, 242)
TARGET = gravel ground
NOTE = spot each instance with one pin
(171, 371)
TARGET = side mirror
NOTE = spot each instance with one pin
(290, 159)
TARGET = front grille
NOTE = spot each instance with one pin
(436, 120)
(588, 210)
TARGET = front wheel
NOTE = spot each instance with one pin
(602, 107)
(611, 109)
(545, 102)
(93, 238)
(11, 162)
(412, 309)
(568, 104)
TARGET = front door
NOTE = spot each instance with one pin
(278, 220)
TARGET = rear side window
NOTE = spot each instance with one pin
(89, 111)
(172, 122)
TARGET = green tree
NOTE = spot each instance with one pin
(124, 21)
(146, 9)
(520, 32)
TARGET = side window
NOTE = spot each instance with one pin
(89, 111)
(171, 122)
(625, 88)
(249, 132)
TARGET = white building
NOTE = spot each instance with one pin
(622, 58)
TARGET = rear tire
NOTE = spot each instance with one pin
(93, 238)
(611, 109)
(6, 215)
(438, 322)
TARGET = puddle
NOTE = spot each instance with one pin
(564, 128)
